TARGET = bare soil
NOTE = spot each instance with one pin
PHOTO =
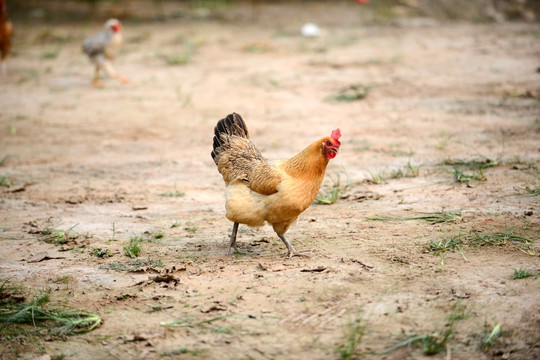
(102, 163)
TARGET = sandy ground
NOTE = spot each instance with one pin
(99, 161)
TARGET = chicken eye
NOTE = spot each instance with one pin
(328, 143)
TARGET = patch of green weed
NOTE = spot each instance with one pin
(101, 252)
(352, 338)
(133, 248)
(336, 192)
(522, 274)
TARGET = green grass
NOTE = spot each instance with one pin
(528, 191)
(174, 193)
(191, 227)
(336, 192)
(58, 237)
(432, 218)
(133, 265)
(472, 164)
(408, 171)
(188, 322)
(475, 240)
(101, 252)
(62, 279)
(475, 169)
(159, 235)
(522, 274)
(462, 177)
(352, 93)
(498, 238)
(353, 334)
(378, 177)
(434, 342)
(4, 181)
(179, 58)
(490, 338)
(444, 244)
(39, 317)
(133, 248)
(184, 350)
(50, 54)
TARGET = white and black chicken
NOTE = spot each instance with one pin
(101, 47)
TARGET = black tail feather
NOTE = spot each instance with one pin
(232, 125)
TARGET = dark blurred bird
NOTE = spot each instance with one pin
(101, 47)
(6, 30)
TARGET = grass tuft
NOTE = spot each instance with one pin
(134, 247)
(477, 166)
(188, 322)
(191, 227)
(354, 333)
(434, 342)
(432, 218)
(101, 252)
(133, 265)
(176, 193)
(378, 177)
(522, 274)
(58, 237)
(462, 177)
(476, 239)
(58, 323)
(336, 192)
(529, 191)
(4, 181)
(490, 338)
(352, 93)
(179, 58)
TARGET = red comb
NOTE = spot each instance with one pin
(336, 134)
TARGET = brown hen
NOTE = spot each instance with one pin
(259, 190)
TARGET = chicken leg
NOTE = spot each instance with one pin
(232, 242)
(292, 252)
(95, 81)
(112, 73)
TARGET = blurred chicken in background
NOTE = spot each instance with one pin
(6, 29)
(101, 47)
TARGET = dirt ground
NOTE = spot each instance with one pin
(133, 160)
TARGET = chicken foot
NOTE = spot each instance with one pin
(95, 81)
(232, 242)
(109, 69)
(292, 252)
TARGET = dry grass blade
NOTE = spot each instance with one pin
(186, 322)
(56, 322)
(473, 164)
(476, 239)
(529, 191)
(433, 218)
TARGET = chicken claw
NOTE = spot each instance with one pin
(232, 242)
(122, 79)
(291, 250)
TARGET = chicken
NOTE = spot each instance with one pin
(101, 47)
(260, 191)
(6, 29)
